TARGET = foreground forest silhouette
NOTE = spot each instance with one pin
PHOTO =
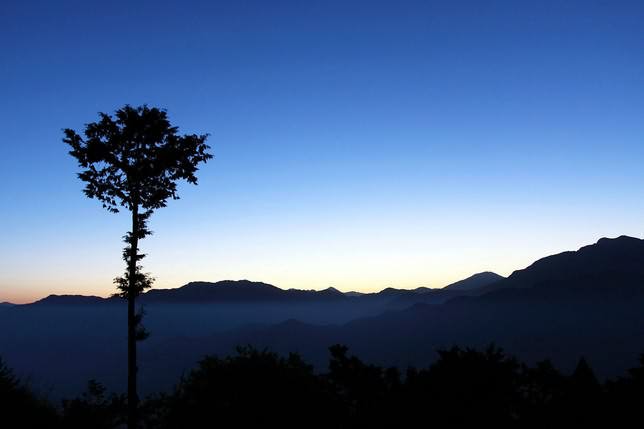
(463, 386)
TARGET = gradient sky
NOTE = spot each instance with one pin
(358, 145)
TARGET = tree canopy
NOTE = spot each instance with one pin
(135, 158)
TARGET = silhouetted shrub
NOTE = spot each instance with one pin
(20, 407)
(250, 389)
(465, 386)
(625, 401)
(94, 409)
(369, 393)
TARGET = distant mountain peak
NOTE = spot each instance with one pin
(476, 281)
(620, 239)
(236, 291)
(354, 293)
(331, 290)
(226, 283)
(70, 300)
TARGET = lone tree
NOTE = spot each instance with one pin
(133, 161)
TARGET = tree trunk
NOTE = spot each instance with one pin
(132, 397)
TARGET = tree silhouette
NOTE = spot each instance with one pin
(94, 408)
(255, 388)
(133, 161)
(20, 407)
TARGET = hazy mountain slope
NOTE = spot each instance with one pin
(70, 300)
(474, 282)
(472, 286)
(610, 265)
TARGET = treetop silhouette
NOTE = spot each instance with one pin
(135, 159)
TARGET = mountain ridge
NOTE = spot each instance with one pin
(608, 263)
(241, 291)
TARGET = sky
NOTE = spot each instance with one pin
(359, 145)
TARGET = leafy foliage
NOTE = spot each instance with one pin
(135, 158)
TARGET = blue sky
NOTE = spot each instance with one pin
(357, 144)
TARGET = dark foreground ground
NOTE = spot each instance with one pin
(258, 388)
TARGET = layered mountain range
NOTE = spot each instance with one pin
(239, 291)
(588, 302)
